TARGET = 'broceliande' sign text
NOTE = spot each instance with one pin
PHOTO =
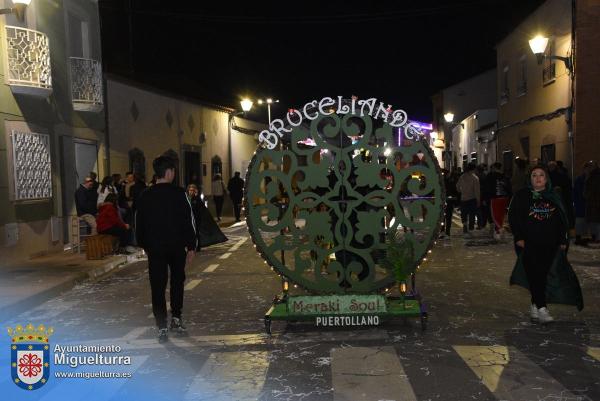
(364, 107)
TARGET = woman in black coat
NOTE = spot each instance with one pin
(207, 231)
(539, 225)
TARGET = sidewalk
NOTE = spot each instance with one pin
(26, 284)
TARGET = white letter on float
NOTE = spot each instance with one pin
(399, 118)
(280, 129)
(318, 320)
(299, 118)
(268, 138)
(370, 103)
(342, 108)
(326, 102)
(383, 111)
(313, 104)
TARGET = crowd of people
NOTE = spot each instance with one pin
(109, 207)
(483, 196)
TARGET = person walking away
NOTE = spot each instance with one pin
(165, 228)
(538, 221)
(110, 223)
(468, 186)
(452, 196)
(85, 203)
(235, 186)
(208, 232)
(497, 188)
(105, 188)
(520, 177)
(483, 211)
(581, 228)
(592, 202)
(218, 193)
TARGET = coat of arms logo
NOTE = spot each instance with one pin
(30, 355)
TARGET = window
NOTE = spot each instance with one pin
(549, 71)
(504, 91)
(548, 153)
(79, 36)
(522, 83)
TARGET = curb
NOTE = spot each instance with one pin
(100, 272)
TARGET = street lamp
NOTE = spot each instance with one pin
(268, 101)
(538, 47)
(18, 9)
(449, 117)
(246, 104)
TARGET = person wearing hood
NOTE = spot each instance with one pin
(109, 223)
(539, 224)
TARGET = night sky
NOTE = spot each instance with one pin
(400, 52)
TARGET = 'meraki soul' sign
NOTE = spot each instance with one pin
(327, 106)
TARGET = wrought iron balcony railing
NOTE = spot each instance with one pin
(28, 55)
(86, 84)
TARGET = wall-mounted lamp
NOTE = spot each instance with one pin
(449, 117)
(19, 9)
(538, 47)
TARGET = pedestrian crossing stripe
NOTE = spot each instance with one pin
(369, 373)
(230, 376)
(509, 374)
(487, 363)
(594, 352)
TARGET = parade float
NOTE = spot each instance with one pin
(344, 200)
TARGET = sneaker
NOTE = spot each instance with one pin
(534, 313)
(544, 316)
(163, 335)
(177, 325)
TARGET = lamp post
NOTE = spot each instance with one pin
(19, 9)
(538, 46)
(268, 102)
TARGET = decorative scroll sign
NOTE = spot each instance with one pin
(310, 111)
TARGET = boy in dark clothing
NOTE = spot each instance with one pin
(165, 228)
(235, 186)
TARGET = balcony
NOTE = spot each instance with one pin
(86, 84)
(28, 55)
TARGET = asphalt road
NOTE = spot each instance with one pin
(479, 344)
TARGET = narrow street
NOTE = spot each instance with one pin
(479, 344)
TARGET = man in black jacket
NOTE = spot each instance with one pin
(85, 203)
(235, 186)
(165, 228)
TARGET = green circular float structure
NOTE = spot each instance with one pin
(345, 198)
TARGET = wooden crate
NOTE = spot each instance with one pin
(98, 246)
(94, 249)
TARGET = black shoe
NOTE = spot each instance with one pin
(163, 335)
(177, 325)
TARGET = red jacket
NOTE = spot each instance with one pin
(108, 217)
